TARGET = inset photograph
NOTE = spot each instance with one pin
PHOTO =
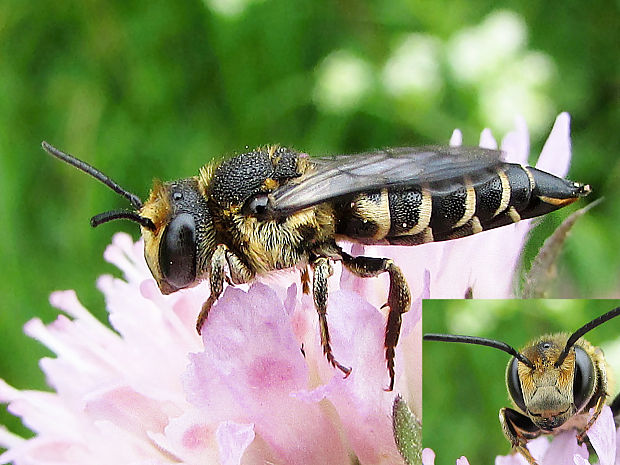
(521, 381)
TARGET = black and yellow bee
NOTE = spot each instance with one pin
(274, 208)
(553, 383)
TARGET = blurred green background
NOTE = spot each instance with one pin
(155, 89)
(461, 417)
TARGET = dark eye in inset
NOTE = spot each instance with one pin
(583, 380)
(514, 385)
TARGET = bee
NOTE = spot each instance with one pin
(274, 208)
(552, 382)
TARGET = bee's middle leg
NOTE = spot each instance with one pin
(322, 271)
(399, 298)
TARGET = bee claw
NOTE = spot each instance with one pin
(345, 370)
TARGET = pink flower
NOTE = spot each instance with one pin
(256, 387)
(563, 448)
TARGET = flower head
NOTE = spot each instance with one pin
(256, 384)
(562, 449)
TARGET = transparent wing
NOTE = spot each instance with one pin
(341, 175)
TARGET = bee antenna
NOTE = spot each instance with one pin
(482, 342)
(94, 172)
(584, 329)
(122, 214)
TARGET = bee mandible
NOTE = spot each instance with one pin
(552, 382)
(274, 208)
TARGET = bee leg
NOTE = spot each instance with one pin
(305, 280)
(615, 410)
(399, 298)
(322, 271)
(518, 429)
(598, 408)
(217, 275)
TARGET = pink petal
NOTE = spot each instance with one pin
(428, 457)
(618, 448)
(127, 256)
(487, 140)
(250, 364)
(456, 139)
(562, 449)
(9, 440)
(409, 352)
(42, 412)
(556, 153)
(191, 437)
(602, 435)
(233, 439)
(129, 410)
(510, 459)
(516, 144)
(537, 448)
(462, 461)
(360, 400)
(579, 460)
(46, 450)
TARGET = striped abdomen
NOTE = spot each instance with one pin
(454, 208)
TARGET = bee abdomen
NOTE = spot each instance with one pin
(532, 193)
(451, 209)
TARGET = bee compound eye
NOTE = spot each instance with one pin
(177, 251)
(257, 204)
(583, 380)
(514, 384)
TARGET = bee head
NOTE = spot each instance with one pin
(175, 223)
(552, 378)
(550, 395)
(183, 237)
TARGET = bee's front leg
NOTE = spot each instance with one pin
(519, 429)
(399, 298)
(598, 408)
(240, 273)
(322, 271)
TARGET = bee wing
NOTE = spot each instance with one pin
(340, 175)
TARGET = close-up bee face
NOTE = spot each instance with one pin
(553, 382)
(274, 208)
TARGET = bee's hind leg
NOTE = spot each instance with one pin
(399, 298)
(322, 271)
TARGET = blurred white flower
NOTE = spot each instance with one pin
(501, 100)
(342, 80)
(414, 67)
(508, 79)
(475, 52)
(229, 8)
